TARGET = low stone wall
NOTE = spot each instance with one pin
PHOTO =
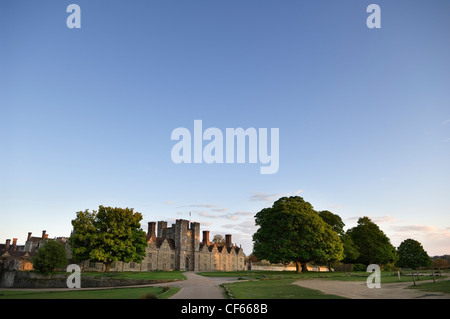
(34, 280)
(273, 267)
(281, 267)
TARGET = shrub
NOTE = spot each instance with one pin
(50, 256)
(359, 267)
(343, 267)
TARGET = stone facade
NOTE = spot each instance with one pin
(20, 255)
(179, 248)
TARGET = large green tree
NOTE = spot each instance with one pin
(374, 246)
(412, 255)
(351, 253)
(108, 235)
(334, 220)
(292, 231)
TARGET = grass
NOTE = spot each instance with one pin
(438, 286)
(116, 293)
(275, 289)
(146, 275)
(386, 276)
(279, 285)
(113, 293)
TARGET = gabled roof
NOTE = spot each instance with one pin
(159, 241)
(220, 248)
(15, 254)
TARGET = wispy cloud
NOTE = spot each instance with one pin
(231, 216)
(383, 219)
(264, 197)
(198, 205)
(220, 210)
(425, 231)
(247, 227)
(414, 228)
(375, 219)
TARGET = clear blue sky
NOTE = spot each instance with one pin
(86, 114)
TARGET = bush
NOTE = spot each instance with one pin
(343, 267)
(50, 256)
(390, 267)
(359, 267)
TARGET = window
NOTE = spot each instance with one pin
(149, 255)
(131, 265)
(149, 266)
(91, 264)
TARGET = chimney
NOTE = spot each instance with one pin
(14, 245)
(43, 234)
(228, 240)
(151, 230)
(161, 226)
(8, 243)
(29, 236)
(206, 237)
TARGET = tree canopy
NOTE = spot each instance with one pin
(374, 246)
(218, 240)
(50, 256)
(292, 231)
(334, 220)
(412, 255)
(351, 252)
(108, 235)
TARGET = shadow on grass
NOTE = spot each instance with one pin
(274, 289)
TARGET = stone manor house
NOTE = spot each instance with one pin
(179, 248)
(18, 257)
(169, 248)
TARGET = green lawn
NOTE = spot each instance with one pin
(278, 285)
(147, 275)
(386, 276)
(274, 289)
(116, 293)
(438, 286)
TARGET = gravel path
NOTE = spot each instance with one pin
(359, 290)
(199, 287)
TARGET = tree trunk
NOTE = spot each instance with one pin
(107, 266)
(298, 266)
